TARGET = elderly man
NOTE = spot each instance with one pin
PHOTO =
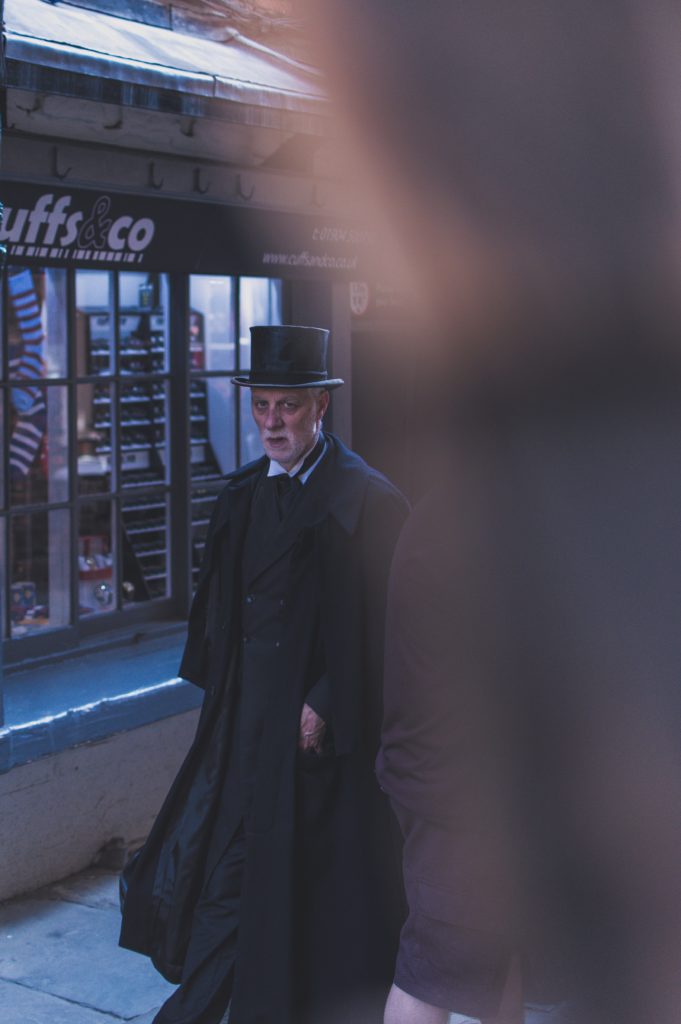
(269, 883)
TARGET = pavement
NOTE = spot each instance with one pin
(60, 962)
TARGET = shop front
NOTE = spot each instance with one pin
(163, 191)
(124, 319)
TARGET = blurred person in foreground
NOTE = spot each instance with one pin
(529, 155)
(269, 882)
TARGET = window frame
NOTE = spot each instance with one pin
(85, 631)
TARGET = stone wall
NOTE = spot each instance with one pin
(64, 812)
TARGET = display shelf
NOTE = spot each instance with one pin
(141, 425)
(137, 530)
(149, 507)
(143, 350)
(140, 419)
(146, 533)
(207, 476)
(151, 445)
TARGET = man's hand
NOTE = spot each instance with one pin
(312, 729)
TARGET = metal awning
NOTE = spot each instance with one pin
(72, 41)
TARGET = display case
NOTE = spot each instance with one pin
(96, 508)
(144, 539)
(136, 413)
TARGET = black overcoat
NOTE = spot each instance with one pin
(321, 900)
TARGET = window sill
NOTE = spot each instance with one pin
(50, 707)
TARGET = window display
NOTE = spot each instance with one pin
(212, 338)
(36, 324)
(212, 430)
(96, 568)
(259, 303)
(39, 581)
(38, 446)
(38, 476)
(38, 424)
(95, 465)
(250, 447)
(122, 429)
(142, 427)
(212, 417)
(203, 499)
(222, 434)
(144, 554)
(87, 502)
(94, 323)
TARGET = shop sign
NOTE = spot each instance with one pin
(377, 299)
(83, 227)
(360, 297)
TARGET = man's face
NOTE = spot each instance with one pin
(289, 421)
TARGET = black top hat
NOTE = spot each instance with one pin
(288, 357)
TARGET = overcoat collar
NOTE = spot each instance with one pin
(350, 481)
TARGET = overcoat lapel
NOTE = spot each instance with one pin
(234, 510)
(212, 619)
(231, 533)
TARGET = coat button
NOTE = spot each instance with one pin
(250, 599)
(282, 603)
(246, 639)
(277, 644)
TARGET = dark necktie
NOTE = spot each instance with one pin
(288, 488)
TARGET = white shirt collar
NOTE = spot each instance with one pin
(275, 469)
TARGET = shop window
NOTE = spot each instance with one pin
(220, 434)
(122, 416)
(34, 301)
(89, 497)
(36, 453)
(145, 551)
(97, 579)
(260, 303)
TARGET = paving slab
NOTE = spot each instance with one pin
(71, 950)
(93, 888)
(60, 962)
(26, 1006)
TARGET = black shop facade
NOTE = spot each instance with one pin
(124, 319)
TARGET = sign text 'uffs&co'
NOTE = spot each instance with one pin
(52, 229)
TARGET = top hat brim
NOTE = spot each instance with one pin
(325, 385)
